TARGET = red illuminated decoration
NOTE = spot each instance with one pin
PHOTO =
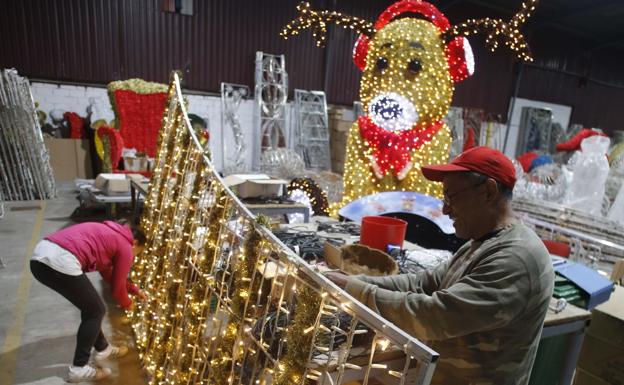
(140, 117)
(393, 151)
(360, 50)
(76, 124)
(455, 54)
(114, 143)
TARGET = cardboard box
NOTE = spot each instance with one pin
(602, 354)
(359, 259)
(113, 184)
(132, 163)
(332, 254)
(69, 158)
(340, 122)
(582, 377)
(255, 185)
(602, 359)
(608, 319)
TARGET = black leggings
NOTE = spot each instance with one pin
(79, 291)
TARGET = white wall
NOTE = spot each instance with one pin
(77, 98)
(560, 114)
(70, 98)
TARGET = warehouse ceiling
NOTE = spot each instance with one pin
(598, 24)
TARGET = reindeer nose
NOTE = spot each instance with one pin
(393, 112)
(387, 108)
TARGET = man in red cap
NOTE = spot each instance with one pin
(484, 309)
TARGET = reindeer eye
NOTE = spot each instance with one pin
(414, 66)
(382, 63)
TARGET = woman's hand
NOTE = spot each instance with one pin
(141, 295)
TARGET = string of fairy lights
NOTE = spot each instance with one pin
(410, 65)
(316, 196)
(228, 302)
(388, 156)
(318, 21)
(497, 30)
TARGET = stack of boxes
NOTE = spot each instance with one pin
(340, 121)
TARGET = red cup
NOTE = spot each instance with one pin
(379, 232)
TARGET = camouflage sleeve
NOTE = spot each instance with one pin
(426, 281)
(494, 293)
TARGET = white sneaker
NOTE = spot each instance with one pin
(87, 373)
(111, 352)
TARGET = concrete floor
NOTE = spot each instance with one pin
(37, 325)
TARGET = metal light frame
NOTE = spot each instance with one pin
(231, 97)
(25, 171)
(183, 196)
(310, 136)
(271, 94)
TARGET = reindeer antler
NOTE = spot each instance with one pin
(497, 29)
(317, 20)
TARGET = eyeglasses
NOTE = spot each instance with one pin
(446, 199)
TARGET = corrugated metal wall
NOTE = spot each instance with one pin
(97, 41)
(594, 104)
(103, 40)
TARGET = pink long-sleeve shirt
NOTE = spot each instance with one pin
(103, 247)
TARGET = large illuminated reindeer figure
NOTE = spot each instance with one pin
(411, 58)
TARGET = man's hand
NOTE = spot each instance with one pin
(338, 278)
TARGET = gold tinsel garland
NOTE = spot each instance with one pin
(245, 289)
(299, 337)
(106, 160)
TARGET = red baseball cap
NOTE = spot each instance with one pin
(484, 160)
